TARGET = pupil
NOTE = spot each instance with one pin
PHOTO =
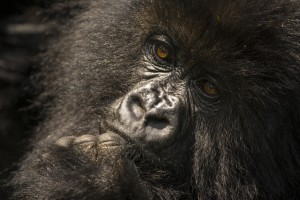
(210, 89)
(162, 53)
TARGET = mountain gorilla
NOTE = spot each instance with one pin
(169, 99)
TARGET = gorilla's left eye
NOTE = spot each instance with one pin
(208, 88)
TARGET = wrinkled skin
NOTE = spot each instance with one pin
(170, 100)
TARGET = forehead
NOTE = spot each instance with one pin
(192, 17)
(203, 23)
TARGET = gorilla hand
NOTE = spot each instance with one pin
(117, 174)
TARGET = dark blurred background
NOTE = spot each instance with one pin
(25, 26)
(21, 31)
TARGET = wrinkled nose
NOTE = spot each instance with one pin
(153, 103)
(149, 113)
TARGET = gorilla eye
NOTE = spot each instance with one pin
(209, 88)
(162, 53)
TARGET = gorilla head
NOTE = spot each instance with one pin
(181, 99)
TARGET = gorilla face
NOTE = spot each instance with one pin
(170, 100)
(151, 119)
(153, 112)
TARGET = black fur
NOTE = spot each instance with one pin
(245, 146)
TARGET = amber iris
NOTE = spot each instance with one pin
(162, 53)
(209, 89)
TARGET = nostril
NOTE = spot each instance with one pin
(136, 107)
(156, 122)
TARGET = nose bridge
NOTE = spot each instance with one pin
(158, 96)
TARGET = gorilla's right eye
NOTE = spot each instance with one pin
(160, 51)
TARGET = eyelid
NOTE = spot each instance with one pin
(162, 38)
